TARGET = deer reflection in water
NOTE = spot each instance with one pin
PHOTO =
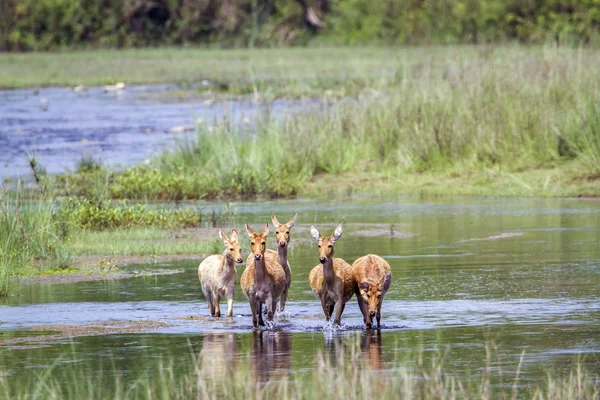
(219, 352)
(367, 351)
(271, 355)
(371, 345)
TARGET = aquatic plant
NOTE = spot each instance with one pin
(86, 214)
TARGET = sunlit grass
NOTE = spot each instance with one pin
(346, 373)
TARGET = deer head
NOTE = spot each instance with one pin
(372, 294)
(258, 241)
(282, 231)
(232, 247)
(326, 243)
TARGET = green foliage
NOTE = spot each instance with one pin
(110, 215)
(50, 24)
(29, 236)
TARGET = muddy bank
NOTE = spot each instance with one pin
(100, 268)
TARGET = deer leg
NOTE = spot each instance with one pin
(209, 300)
(271, 307)
(379, 315)
(331, 307)
(361, 306)
(259, 307)
(339, 309)
(325, 309)
(216, 300)
(254, 313)
(283, 299)
(230, 294)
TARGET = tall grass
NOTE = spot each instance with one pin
(511, 109)
(29, 237)
(346, 374)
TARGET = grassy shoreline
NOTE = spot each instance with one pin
(479, 120)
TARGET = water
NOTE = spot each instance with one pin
(520, 274)
(59, 126)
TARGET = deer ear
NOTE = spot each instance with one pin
(387, 281)
(223, 237)
(292, 221)
(266, 231)
(338, 233)
(274, 220)
(363, 285)
(315, 233)
(249, 230)
(234, 235)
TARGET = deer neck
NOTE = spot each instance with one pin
(260, 270)
(282, 255)
(328, 273)
(228, 263)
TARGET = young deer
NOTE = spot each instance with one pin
(282, 238)
(373, 276)
(263, 280)
(332, 281)
(217, 274)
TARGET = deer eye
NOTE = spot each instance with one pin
(262, 244)
(252, 243)
(277, 232)
(319, 246)
(330, 246)
(231, 249)
(287, 233)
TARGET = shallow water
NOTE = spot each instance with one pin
(521, 273)
(118, 128)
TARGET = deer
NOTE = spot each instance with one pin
(373, 276)
(332, 280)
(263, 280)
(217, 274)
(282, 239)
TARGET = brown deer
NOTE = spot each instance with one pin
(332, 281)
(217, 274)
(263, 280)
(282, 238)
(373, 276)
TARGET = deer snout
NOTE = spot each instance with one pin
(240, 260)
(282, 244)
(322, 260)
(257, 256)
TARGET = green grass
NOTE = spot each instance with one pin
(140, 242)
(476, 121)
(40, 235)
(491, 120)
(348, 374)
(29, 238)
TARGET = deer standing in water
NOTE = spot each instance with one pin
(373, 276)
(217, 274)
(282, 238)
(332, 281)
(263, 280)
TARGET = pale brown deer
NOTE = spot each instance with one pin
(282, 239)
(263, 280)
(217, 274)
(332, 281)
(373, 276)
